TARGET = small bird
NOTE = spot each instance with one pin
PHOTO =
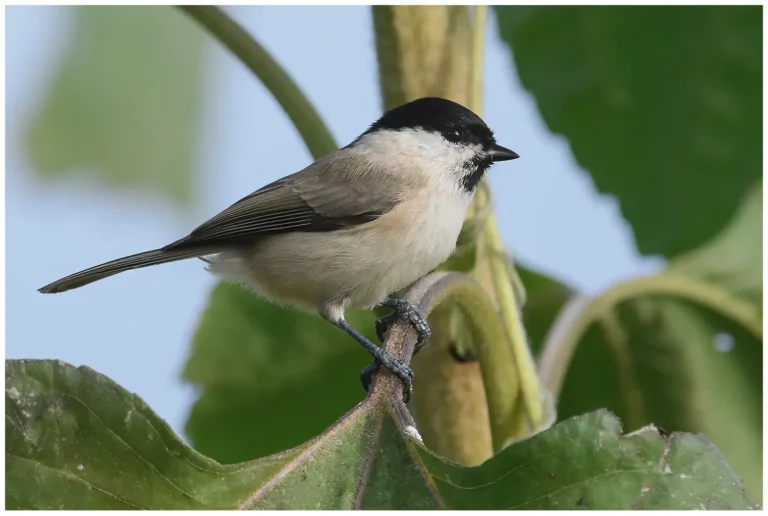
(352, 228)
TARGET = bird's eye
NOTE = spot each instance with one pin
(455, 135)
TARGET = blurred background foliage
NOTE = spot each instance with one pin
(123, 106)
(661, 106)
(658, 117)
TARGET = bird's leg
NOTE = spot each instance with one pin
(404, 311)
(381, 357)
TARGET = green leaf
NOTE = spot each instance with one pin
(660, 104)
(251, 358)
(125, 101)
(585, 462)
(76, 440)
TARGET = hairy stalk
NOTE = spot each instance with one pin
(422, 51)
(511, 315)
(283, 88)
(581, 312)
(479, 21)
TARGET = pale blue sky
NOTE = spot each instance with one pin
(136, 327)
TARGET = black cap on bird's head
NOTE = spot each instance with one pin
(453, 121)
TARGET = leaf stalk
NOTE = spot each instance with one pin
(274, 77)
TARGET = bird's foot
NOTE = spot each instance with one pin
(404, 311)
(398, 368)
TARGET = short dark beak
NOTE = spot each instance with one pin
(499, 153)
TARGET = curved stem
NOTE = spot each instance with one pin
(283, 88)
(487, 333)
(631, 392)
(581, 312)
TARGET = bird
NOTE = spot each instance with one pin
(350, 230)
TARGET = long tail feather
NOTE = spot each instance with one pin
(105, 270)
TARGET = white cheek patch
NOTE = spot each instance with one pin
(443, 157)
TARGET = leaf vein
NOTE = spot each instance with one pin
(76, 478)
(499, 479)
(139, 455)
(304, 456)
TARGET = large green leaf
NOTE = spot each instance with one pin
(76, 440)
(662, 105)
(251, 358)
(125, 101)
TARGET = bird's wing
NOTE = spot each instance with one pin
(325, 196)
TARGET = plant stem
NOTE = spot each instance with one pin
(278, 82)
(422, 51)
(581, 312)
(479, 17)
(511, 316)
(629, 385)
